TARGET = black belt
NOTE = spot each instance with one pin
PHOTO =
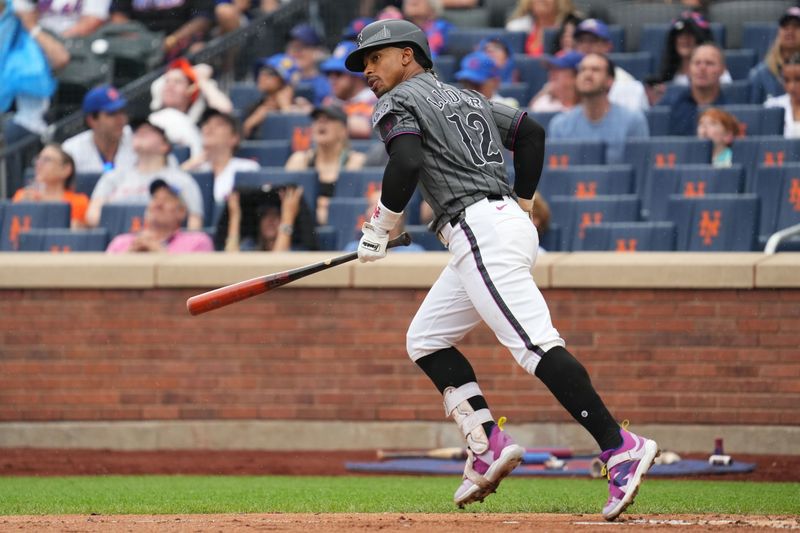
(491, 197)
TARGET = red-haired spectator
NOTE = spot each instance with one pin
(721, 128)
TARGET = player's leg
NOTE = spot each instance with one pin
(502, 245)
(444, 317)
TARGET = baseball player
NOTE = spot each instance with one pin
(449, 142)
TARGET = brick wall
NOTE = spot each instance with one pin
(656, 356)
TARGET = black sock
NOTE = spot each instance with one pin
(449, 368)
(569, 382)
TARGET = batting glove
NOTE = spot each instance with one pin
(372, 245)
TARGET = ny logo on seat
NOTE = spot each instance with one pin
(794, 194)
(588, 219)
(626, 245)
(586, 189)
(665, 160)
(18, 226)
(558, 160)
(694, 188)
(773, 159)
(709, 225)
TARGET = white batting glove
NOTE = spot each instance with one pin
(372, 245)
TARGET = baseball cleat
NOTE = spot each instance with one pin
(625, 468)
(483, 473)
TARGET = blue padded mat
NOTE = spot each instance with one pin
(578, 466)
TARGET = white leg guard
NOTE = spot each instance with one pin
(468, 419)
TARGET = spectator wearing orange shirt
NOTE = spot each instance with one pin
(52, 182)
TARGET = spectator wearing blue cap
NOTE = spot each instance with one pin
(480, 73)
(274, 80)
(351, 31)
(592, 36)
(559, 93)
(305, 48)
(349, 91)
(108, 143)
(500, 51)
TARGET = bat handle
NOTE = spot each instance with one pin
(404, 239)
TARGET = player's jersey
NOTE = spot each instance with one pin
(462, 138)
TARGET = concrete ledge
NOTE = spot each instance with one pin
(656, 270)
(20, 270)
(778, 271)
(342, 435)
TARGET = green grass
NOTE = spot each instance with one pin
(250, 494)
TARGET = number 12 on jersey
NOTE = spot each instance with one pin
(480, 145)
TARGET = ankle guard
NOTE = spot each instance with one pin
(468, 419)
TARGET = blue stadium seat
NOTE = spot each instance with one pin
(779, 191)
(653, 38)
(357, 183)
(346, 215)
(688, 181)
(244, 95)
(181, 152)
(551, 240)
(758, 37)
(715, 223)
(617, 37)
(658, 120)
(205, 180)
(531, 72)
(283, 126)
(662, 152)
(445, 67)
(585, 181)
(122, 218)
(518, 91)
(542, 117)
(564, 153)
(736, 92)
(85, 182)
(770, 151)
(739, 62)
(269, 177)
(326, 237)
(23, 216)
(420, 234)
(573, 215)
(63, 240)
(462, 41)
(637, 64)
(757, 119)
(266, 153)
(364, 145)
(630, 237)
(305, 89)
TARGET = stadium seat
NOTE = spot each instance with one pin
(770, 151)
(85, 182)
(757, 119)
(305, 89)
(346, 215)
(617, 37)
(474, 17)
(518, 91)
(464, 40)
(779, 191)
(736, 92)
(205, 180)
(688, 181)
(181, 152)
(637, 64)
(658, 120)
(63, 240)
(364, 145)
(635, 16)
(542, 117)
(358, 183)
(20, 217)
(654, 37)
(563, 153)
(739, 62)
(122, 218)
(551, 240)
(531, 72)
(662, 152)
(445, 67)
(499, 10)
(630, 237)
(420, 234)
(759, 36)
(733, 13)
(266, 153)
(326, 237)
(270, 177)
(244, 95)
(573, 215)
(715, 223)
(586, 181)
(292, 126)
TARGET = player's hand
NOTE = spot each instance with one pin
(526, 205)
(372, 245)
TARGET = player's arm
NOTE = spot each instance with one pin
(528, 160)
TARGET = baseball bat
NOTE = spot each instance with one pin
(208, 301)
(453, 454)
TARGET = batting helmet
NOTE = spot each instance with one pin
(384, 33)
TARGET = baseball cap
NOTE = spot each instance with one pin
(306, 34)
(105, 98)
(477, 67)
(229, 119)
(157, 129)
(793, 13)
(160, 183)
(687, 19)
(335, 63)
(331, 111)
(351, 31)
(281, 64)
(595, 27)
(565, 60)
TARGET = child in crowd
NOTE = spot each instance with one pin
(721, 128)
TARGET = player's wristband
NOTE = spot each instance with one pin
(383, 218)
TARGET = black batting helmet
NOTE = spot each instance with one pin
(389, 33)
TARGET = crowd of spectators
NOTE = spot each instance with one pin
(595, 100)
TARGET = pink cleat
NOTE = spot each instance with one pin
(625, 468)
